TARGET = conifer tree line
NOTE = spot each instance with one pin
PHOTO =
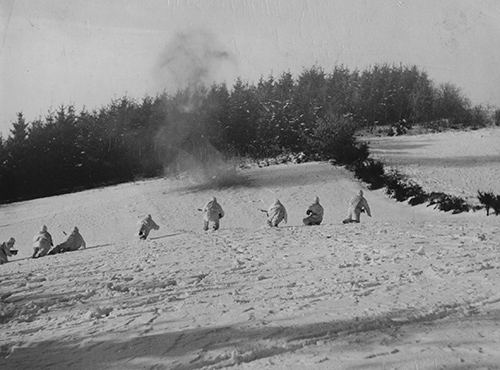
(316, 113)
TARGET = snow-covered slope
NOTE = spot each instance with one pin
(455, 162)
(331, 296)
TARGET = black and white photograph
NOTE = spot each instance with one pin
(249, 184)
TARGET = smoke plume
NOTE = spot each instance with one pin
(193, 59)
(190, 62)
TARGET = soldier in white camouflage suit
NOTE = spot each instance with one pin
(357, 205)
(7, 251)
(72, 243)
(276, 213)
(212, 213)
(42, 242)
(314, 214)
(145, 227)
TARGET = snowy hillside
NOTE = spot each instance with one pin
(408, 288)
(459, 163)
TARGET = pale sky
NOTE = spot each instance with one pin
(86, 52)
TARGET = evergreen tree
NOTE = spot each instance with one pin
(317, 113)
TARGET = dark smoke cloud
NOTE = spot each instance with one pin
(193, 59)
(190, 62)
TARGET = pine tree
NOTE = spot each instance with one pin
(19, 130)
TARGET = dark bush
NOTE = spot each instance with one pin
(438, 125)
(401, 189)
(435, 198)
(489, 201)
(496, 205)
(415, 193)
(372, 172)
(496, 117)
(419, 198)
(399, 128)
(445, 202)
(478, 117)
(333, 138)
(395, 186)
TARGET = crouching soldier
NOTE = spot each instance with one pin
(145, 227)
(276, 213)
(72, 243)
(7, 251)
(212, 213)
(357, 205)
(42, 242)
(314, 214)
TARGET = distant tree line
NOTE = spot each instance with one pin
(316, 113)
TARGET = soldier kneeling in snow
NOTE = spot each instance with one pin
(42, 243)
(212, 213)
(357, 205)
(73, 242)
(276, 213)
(314, 214)
(7, 251)
(145, 227)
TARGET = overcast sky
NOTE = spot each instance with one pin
(86, 52)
